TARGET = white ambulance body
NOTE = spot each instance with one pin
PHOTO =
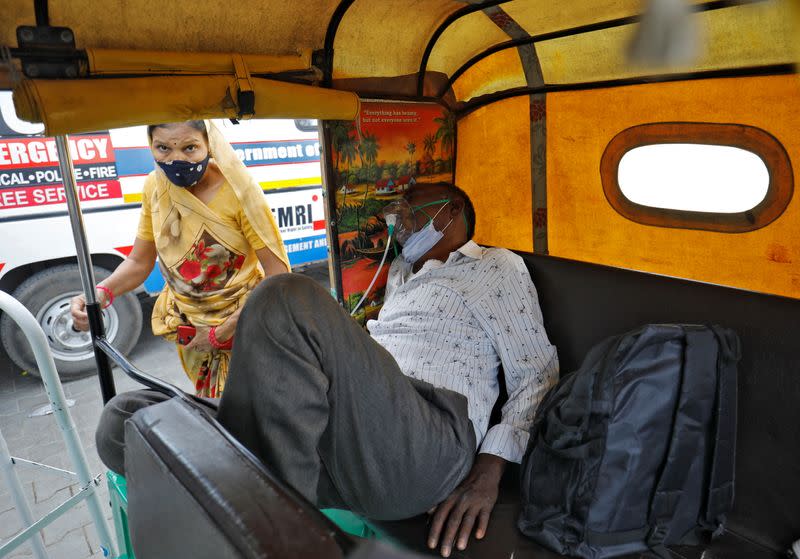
(37, 251)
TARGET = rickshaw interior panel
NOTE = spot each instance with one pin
(495, 176)
(537, 91)
(449, 52)
(580, 125)
(499, 72)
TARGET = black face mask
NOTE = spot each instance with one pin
(184, 173)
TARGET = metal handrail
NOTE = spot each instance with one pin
(55, 394)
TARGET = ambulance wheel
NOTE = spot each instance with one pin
(47, 295)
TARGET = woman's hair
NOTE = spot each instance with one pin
(198, 125)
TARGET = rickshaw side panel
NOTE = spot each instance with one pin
(584, 226)
(494, 167)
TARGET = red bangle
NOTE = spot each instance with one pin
(215, 343)
(108, 292)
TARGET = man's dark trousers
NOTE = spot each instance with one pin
(328, 409)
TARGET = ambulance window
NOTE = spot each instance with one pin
(718, 177)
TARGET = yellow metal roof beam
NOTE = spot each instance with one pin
(85, 105)
(127, 62)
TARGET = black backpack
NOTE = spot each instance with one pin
(635, 450)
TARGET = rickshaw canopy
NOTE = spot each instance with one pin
(537, 102)
(458, 52)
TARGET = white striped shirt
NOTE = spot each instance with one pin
(453, 324)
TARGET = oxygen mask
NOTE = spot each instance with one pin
(400, 212)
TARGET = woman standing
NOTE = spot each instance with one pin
(207, 221)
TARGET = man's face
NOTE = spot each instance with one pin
(426, 202)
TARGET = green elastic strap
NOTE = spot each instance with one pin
(463, 215)
(415, 208)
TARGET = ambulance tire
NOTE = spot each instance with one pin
(47, 295)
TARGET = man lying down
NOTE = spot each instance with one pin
(392, 423)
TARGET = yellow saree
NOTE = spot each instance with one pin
(206, 253)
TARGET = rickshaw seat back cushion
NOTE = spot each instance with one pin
(584, 303)
(194, 492)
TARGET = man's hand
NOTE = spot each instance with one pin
(471, 502)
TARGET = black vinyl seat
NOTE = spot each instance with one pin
(195, 492)
(584, 303)
(504, 540)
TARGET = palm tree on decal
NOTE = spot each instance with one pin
(342, 140)
(411, 148)
(446, 134)
(368, 148)
(429, 146)
(430, 142)
(345, 149)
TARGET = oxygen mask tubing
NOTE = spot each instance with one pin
(399, 217)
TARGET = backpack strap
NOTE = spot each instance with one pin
(688, 432)
(722, 471)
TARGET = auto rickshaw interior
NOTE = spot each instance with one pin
(538, 103)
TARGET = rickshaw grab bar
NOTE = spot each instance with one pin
(135, 373)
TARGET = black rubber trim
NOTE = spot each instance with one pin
(98, 331)
(42, 12)
(455, 16)
(330, 37)
(769, 70)
(151, 382)
(599, 26)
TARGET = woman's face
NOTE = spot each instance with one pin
(178, 142)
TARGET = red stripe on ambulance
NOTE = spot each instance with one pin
(54, 194)
(41, 152)
(124, 250)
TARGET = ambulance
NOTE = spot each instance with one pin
(37, 253)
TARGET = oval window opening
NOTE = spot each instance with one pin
(731, 178)
(693, 177)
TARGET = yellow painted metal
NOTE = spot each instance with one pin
(111, 61)
(380, 38)
(498, 72)
(265, 185)
(465, 38)
(86, 105)
(582, 225)
(386, 38)
(795, 7)
(747, 35)
(494, 168)
(264, 27)
(545, 16)
(132, 197)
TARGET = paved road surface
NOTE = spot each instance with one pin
(37, 438)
